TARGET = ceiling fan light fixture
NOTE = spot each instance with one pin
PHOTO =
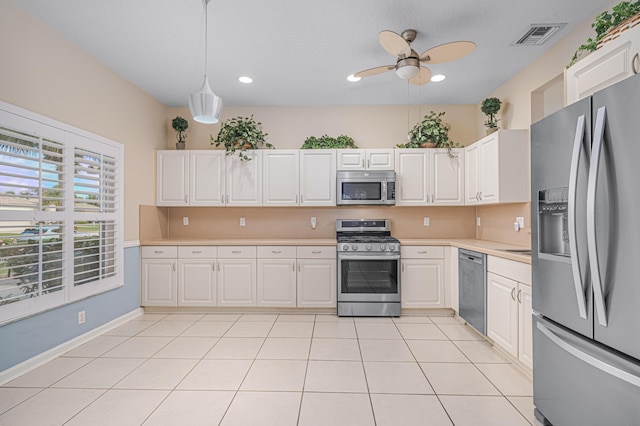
(407, 72)
(205, 106)
(352, 78)
(438, 77)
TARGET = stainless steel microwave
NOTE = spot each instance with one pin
(366, 187)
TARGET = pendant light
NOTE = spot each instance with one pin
(205, 105)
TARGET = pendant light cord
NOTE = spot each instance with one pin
(206, 35)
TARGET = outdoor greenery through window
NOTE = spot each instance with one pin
(60, 213)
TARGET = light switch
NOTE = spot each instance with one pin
(243, 222)
(478, 221)
(185, 220)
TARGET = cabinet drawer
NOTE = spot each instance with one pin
(276, 252)
(422, 252)
(159, 252)
(517, 271)
(316, 252)
(237, 252)
(197, 252)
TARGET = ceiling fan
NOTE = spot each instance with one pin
(408, 63)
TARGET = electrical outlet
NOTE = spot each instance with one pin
(243, 222)
(520, 222)
(185, 221)
(426, 221)
(81, 317)
(478, 221)
(314, 222)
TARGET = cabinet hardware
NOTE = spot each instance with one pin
(422, 252)
(236, 251)
(316, 251)
(173, 266)
(218, 266)
(519, 293)
(634, 63)
(276, 251)
(196, 251)
(402, 266)
(296, 199)
(298, 267)
(158, 251)
(185, 199)
(301, 198)
(363, 163)
(480, 193)
(368, 163)
(513, 293)
(213, 266)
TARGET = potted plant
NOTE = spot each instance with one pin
(604, 23)
(240, 134)
(431, 132)
(327, 142)
(490, 108)
(180, 125)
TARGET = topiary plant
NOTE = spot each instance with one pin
(327, 142)
(180, 125)
(240, 134)
(490, 107)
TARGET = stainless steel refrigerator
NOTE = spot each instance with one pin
(585, 200)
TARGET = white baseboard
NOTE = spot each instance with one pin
(40, 359)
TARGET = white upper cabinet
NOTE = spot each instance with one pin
(172, 186)
(497, 168)
(429, 177)
(318, 177)
(615, 61)
(365, 159)
(243, 180)
(207, 178)
(280, 177)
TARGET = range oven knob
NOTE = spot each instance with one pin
(345, 247)
(369, 247)
(392, 247)
(383, 247)
(354, 247)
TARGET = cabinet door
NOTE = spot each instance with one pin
(318, 177)
(280, 178)
(159, 282)
(276, 282)
(447, 177)
(380, 159)
(412, 178)
(490, 170)
(172, 186)
(502, 312)
(243, 180)
(196, 282)
(207, 178)
(472, 174)
(316, 283)
(525, 330)
(236, 282)
(422, 283)
(351, 159)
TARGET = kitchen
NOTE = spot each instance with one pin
(138, 128)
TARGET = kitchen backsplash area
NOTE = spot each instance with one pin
(292, 223)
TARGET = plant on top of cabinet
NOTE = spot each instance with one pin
(327, 142)
(180, 125)
(240, 134)
(621, 14)
(490, 108)
(431, 132)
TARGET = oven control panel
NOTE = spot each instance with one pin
(372, 247)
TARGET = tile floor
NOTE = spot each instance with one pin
(250, 369)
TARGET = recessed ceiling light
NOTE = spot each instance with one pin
(244, 79)
(353, 78)
(438, 77)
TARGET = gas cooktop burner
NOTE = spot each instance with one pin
(367, 239)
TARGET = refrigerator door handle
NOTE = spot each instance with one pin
(598, 143)
(573, 238)
(594, 362)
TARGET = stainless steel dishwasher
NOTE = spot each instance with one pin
(472, 294)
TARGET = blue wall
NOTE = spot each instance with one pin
(27, 338)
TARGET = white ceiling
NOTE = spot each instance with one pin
(299, 52)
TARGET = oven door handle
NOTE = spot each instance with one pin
(372, 256)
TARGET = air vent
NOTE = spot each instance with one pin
(538, 34)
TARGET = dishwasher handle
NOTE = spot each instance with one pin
(471, 256)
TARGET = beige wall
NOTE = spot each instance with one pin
(43, 72)
(369, 126)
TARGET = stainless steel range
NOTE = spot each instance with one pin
(368, 268)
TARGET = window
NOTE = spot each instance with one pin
(60, 213)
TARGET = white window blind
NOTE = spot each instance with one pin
(60, 213)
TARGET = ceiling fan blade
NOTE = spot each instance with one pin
(394, 43)
(422, 78)
(374, 71)
(448, 52)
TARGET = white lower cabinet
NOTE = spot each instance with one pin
(276, 286)
(159, 276)
(316, 278)
(422, 277)
(197, 276)
(509, 307)
(237, 276)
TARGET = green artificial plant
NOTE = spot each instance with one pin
(432, 129)
(240, 134)
(490, 108)
(327, 142)
(180, 125)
